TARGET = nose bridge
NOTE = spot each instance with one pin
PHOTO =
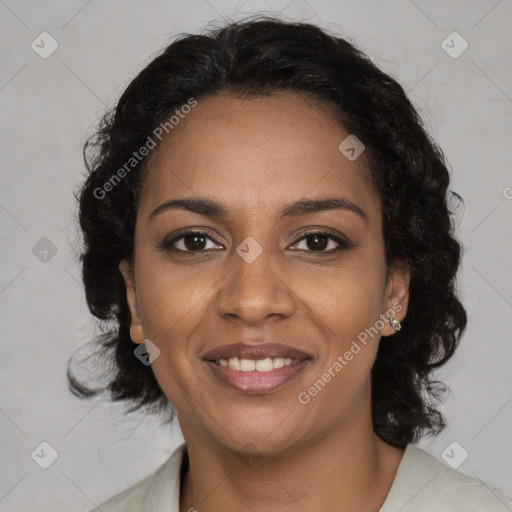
(253, 290)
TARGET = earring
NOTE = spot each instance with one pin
(395, 324)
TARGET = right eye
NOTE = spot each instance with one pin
(190, 241)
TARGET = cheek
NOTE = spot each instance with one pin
(170, 297)
(172, 307)
(347, 308)
(349, 299)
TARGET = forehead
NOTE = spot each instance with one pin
(256, 152)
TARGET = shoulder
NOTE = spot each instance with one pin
(132, 499)
(155, 492)
(423, 483)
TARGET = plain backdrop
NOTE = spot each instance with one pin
(49, 105)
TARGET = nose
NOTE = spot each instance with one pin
(254, 292)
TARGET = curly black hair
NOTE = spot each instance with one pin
(253, 58)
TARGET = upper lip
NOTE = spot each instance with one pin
(260, 351)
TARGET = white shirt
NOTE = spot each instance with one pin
(421, 484)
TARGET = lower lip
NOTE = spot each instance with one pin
(256, 382)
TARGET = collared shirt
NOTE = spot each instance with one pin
(421, 484)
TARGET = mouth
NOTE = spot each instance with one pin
(255, 369)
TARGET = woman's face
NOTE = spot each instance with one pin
(257, 274)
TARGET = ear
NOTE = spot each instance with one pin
(396, 295)
(136, 330)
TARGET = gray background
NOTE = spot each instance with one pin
(48, 106)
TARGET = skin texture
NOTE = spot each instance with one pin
(250, 452)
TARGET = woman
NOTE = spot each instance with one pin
(265, 223)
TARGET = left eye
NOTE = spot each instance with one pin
(319, 242)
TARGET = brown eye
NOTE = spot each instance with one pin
(191, 241)
(317, 242)
(321, 242)
(194, 242)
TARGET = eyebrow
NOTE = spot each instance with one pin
(213, 209)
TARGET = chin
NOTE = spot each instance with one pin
(258, 432)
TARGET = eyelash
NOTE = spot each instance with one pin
(167, 245)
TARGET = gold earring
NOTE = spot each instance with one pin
(395, 324)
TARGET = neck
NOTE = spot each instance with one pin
(334, 473)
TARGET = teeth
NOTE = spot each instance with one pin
(247, 365)
(278, 362)
(264, 365)
(234, 363)
(260, 365)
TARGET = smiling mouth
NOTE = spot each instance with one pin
(260, 365)
(256, 368)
